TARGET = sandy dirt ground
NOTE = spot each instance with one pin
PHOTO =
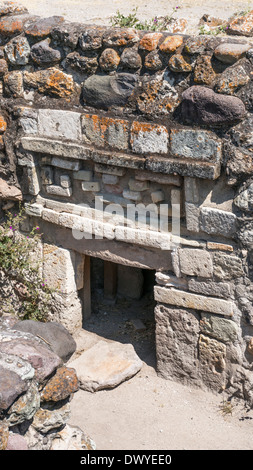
(100, 11)
(148, 412)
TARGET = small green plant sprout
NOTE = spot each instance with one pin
(226, 407)
(205, 29)
(20, 262)
(132, 21)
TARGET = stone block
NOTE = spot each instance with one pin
(108, 90)
(222, 329)
(50, 216)
(132, 195)
(34, 209)
(59, 124)
(110, 179)
(65, 164)
(177, 333)
(195, 262)
(56, 190)
(83, 175)
(193, 301)
(219, 222)
(227, 267)
(174, 180)
(192, 217)
(212, 358)
(59, 268)
(219, 246)
(135, 185)
(93, 186)
(216, 289)
(33, 181)
(191, 190)
(157, 196)
(109, 169)
(47, 175)
(149, 138)
(18, 51)
(101, 131)
(65, 181)
(196, 144)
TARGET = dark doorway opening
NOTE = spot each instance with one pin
(122, 306)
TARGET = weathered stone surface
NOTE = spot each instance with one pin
(109, 60)
(13, 25)
(12, 8)
(244, 200)
(204, 73)
(216, 289)
(56, 335)
(11, 386)
(229, 53)
(67, 34)
(106, 91)
(42, 54)
(81, 63)
(16, 442)
(106, 365)
(13, 83)
(118, 37)
(212, 358)
(218, 222)
(195, 262)
(195, 45)
(61, 385)
(61, 124)
(153, 61)
(223, 329)
(43, 361)
(3, 67)
(242, 25)
(42, 27)
(177, 333)
(227, 267)
(195, 144)
(72, 438)
(24, 407)
(149, 41)
(45, 420)
(232, 79)
(8, 191)
(179, 63)
(17, 51)
(4, 435)
(102, 131)
(203, 106)
(154, 96)
(149, 138)
(130, 59)
(193, 301)
(171, 43)
(52, 81)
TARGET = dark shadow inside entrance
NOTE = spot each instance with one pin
(122, 306)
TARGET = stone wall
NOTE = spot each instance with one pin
(95, 116)
(36, 387)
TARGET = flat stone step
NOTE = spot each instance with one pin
(105, 365)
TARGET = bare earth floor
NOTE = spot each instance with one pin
(148, 412)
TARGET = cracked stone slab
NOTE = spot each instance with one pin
(106, 365)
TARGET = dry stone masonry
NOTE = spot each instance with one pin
(96, 118)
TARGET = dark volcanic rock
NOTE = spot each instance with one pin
(105, 91)
(202, 105)
(43, 54)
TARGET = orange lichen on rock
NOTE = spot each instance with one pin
(242, 25)
(171, 43)
(3, 124)
(12, 25)
(150, 41)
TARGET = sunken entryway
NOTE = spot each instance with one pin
(122, 306)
